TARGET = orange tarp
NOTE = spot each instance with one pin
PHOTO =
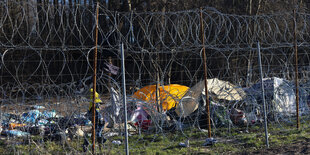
(169, 95)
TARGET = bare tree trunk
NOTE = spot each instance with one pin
(70, 23)
(32, 14)
(259, 6)
(129, 5)
(250, 10)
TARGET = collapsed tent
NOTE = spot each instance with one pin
(218, 90)
(279, 95)
(224, 90)
(169, 95)
(189, 103)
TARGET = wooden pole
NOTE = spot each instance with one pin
(205, 74)
(157, 92)
(94, 84)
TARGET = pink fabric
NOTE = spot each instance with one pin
(139, 114)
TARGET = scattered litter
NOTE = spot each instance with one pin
(82, 121)
(38, 107)
(79, 132)
(204, 130)
(245, 131)
(111, 134)
(238, 116)
(209, 141)
(186, 144)
(10, 118)
(117, 142)
(15, 133)
(49, 114)
(43, 122)
(36, 130)
(75, 131)
(31, 116)
(15, 125)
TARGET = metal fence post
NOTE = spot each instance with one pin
(263, 93)
(296, 70)
(124, 99)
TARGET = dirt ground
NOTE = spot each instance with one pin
(298, 147)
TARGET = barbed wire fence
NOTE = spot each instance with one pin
(46, 60)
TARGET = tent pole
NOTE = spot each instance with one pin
(205, 74)
(263, 93)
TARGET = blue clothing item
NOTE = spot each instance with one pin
(31, 116)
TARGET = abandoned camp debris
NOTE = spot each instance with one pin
(117, 142)
(181, 107)
(186, 144)
(209, 141)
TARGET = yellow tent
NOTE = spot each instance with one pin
(169, 95)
